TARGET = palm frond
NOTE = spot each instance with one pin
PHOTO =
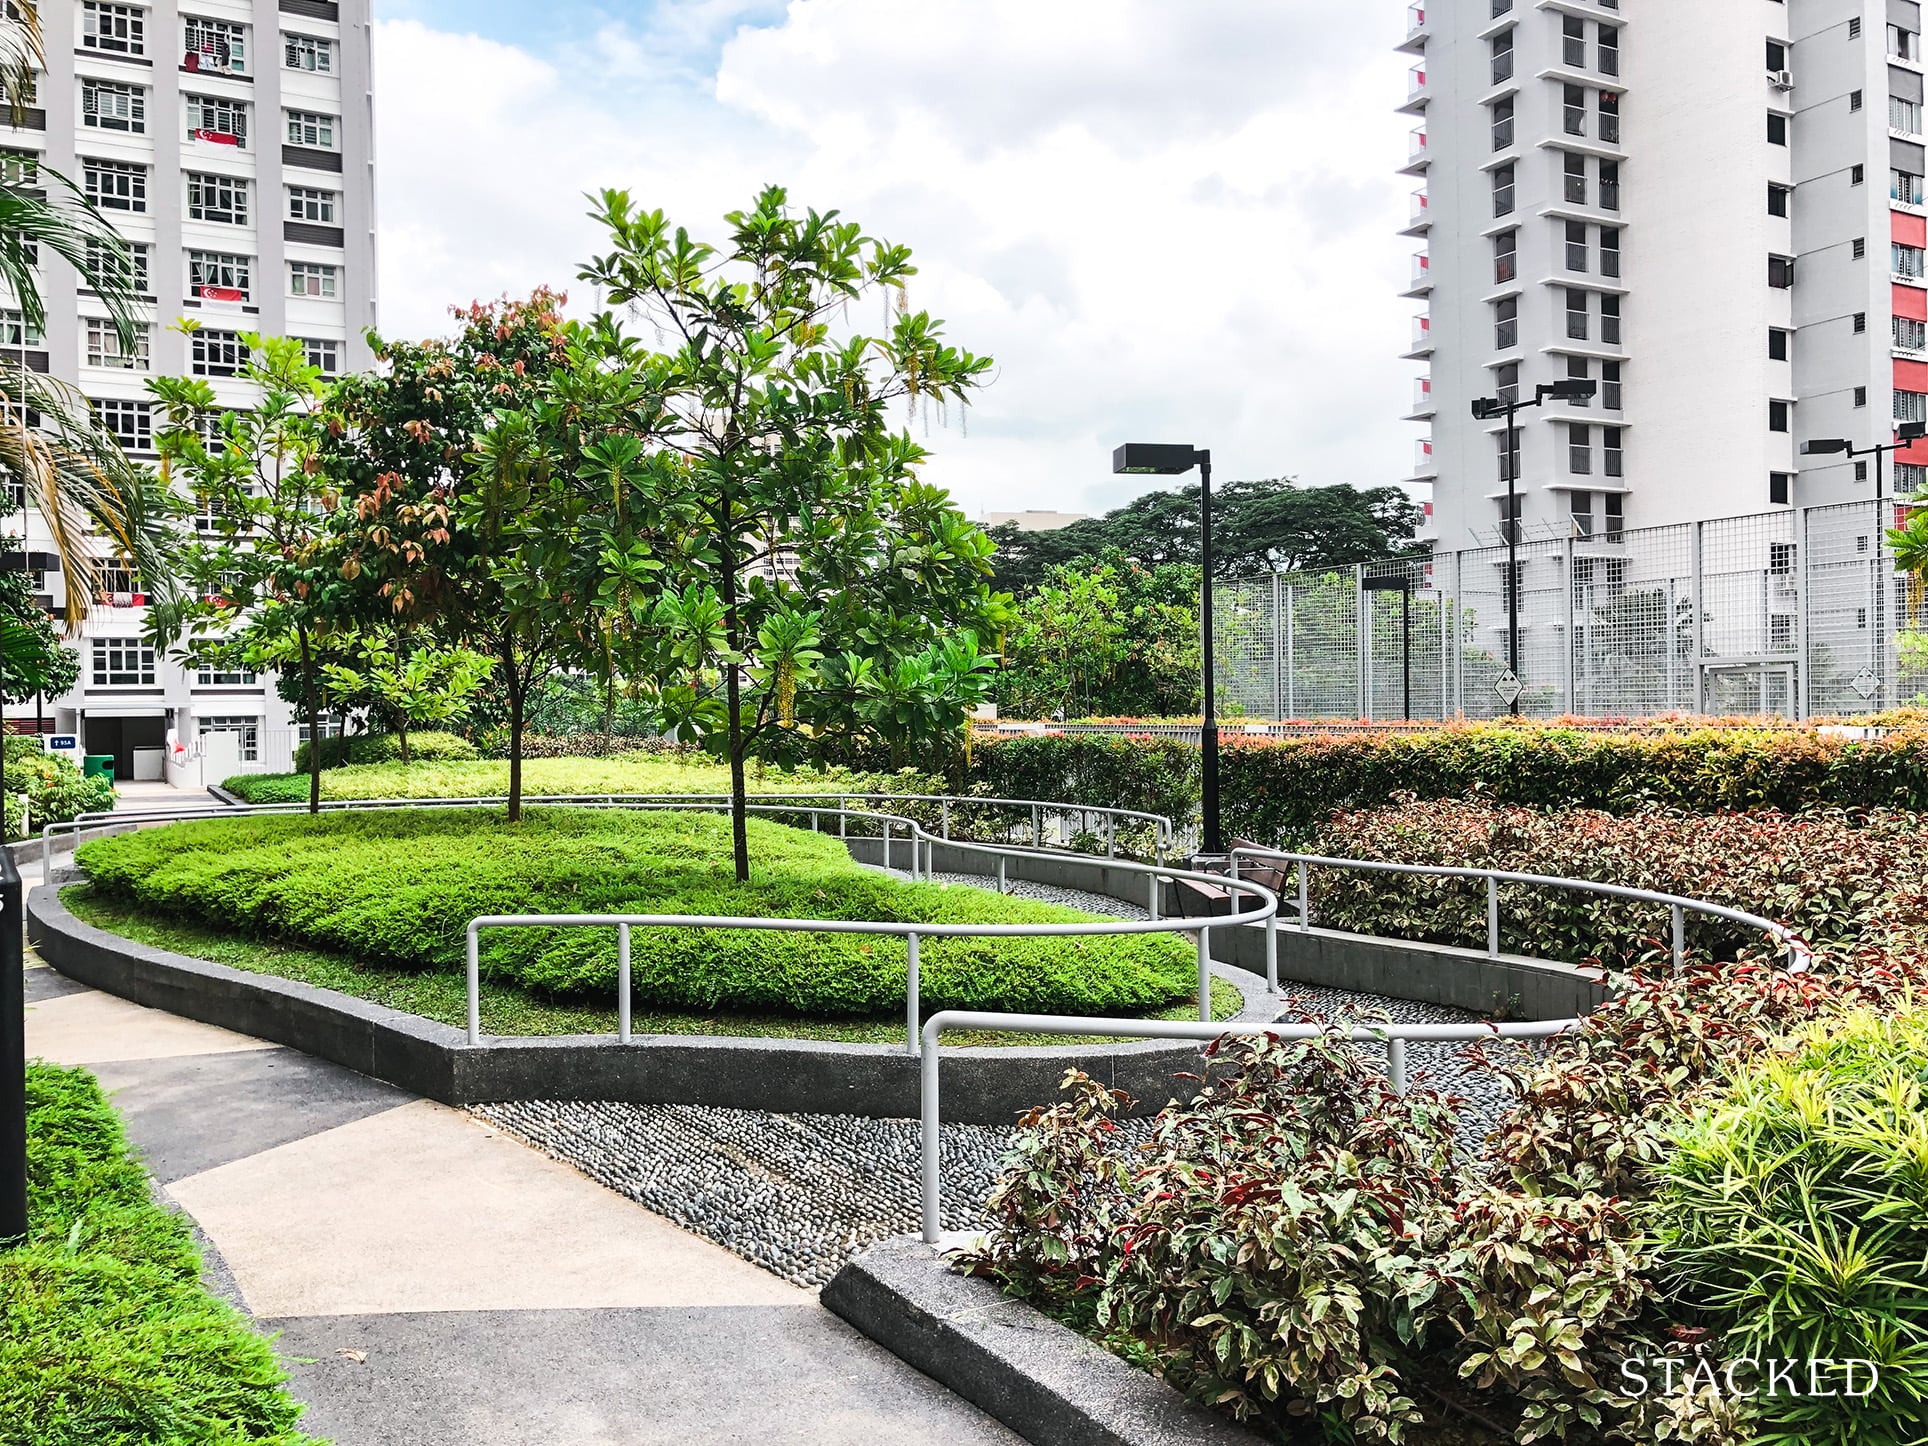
(61, 219)
(22, 52)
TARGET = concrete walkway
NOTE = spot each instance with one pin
(435, 1283)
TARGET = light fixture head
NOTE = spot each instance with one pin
(1485, 408)
(1911, 431)
(1573, 389)
(1158, 459)
(1824, 446)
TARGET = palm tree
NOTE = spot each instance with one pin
(51, 443)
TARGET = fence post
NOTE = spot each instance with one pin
(1698, 637)
(622, 983)
(1459, 648)
(1570, 673)
(1291, 662)
(1204, 974)
(1278, 650)
(1803, 704)
(911, 980)
(1363, 629)
(13, 1057)
(1492, 916)
(1680, 936)
(1396, 1064)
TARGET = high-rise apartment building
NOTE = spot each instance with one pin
(1713, 211)
(231, 143)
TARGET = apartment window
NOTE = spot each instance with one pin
(1503, 191)
(1610, 185)
(217, 198)
(1580, 509)
(108, 106)
(1780, 488)
(1502, 123)
(1610, 386)
(113, 29)
(1778, 339)
(1904, 187)
(1609, 50)
(1579, 448)
(1854, 28)
(1615, 506)
(1910, 334)
(324, 355)
(19, 168)
(1861, 396)
(1502, 7)
(246, 730)
(215, 45)
(307, 128)
(105, 348)
(1903, 44)
(106, 263)
(1861, 471)
(1573, 42)
(1860, 248)
(309, 52)
(1855, 100)
(309, 278)
(1609, 250)
(1576, 314)
(216, 353)
(122, 663)
(1860, 322)
(1910, 478)
(1777, 416)
(1576, 246)
(17, 331)
(308, 204)
(220, 276)
(1908, 260)
(1506, 323)
(1904, 115)
(1507, 382)
(1857, 175)
(132, 423)
(1777, 198)
(1576, 179)
(1776, 129)
(1780, 272)
(1502, 57)
(1776, 56)
(1578, 368)
(1505, 257)
(224, 122)
(1574, 110)
(1509, 470)
(115, 185)
(1612, 457)
(1911, 406)
(225, 678)
(1610, 320)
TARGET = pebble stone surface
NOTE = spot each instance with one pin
(800, 1194)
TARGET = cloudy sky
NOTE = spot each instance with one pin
(1167, 220)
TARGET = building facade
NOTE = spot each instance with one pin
(1714, 212)
(231, 142)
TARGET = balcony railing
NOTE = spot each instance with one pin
(1416, 82)
(1423, 394)
(1422, 271)
(1415, 20)
(1416, 150)
(1422, 332)
(1423, 460)
(1420, 211)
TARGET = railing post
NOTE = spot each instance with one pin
(1492, 917)
(1037, 827)
(475, 987)
(1272, 953)
(947, 818)
(1396, 1064)
(1000, 875)
(886, 843)
(622, 983)
(13, 1059)
(1680, 937)
(1305, 899)
(911, 980)
(1152, 906)
(1204, 975)
(1111, 835)
(932, 1145)
(843, 816)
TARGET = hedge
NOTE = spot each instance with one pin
(1146, 772)
(56, 789)
(398, 889)
(424, 747)
(109, 1339)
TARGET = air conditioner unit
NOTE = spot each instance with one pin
(1782, 79)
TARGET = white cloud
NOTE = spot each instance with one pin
(1164, 221)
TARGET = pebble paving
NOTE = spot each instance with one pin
(800, 1194)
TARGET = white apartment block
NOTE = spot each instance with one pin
(1688, 202)
(231, 142)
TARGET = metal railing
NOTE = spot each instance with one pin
(1800, 957)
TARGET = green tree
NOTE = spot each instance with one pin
(808, 567)
(265, 588)
(404, 682)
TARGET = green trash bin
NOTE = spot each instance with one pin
(99, 765)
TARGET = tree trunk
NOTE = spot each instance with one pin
(514, 679)
(733, 702)
(311, 704)
(402, 732)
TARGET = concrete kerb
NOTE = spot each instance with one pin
(982, 1086)
(1043, 1380)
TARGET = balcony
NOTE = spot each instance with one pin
(1423, 407)
(1422, 216)
(1422, 275)
(1418, 157)
(1415, 29)
(1422, 338)
(1415, 89)
(1423, 465)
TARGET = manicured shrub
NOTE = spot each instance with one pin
(56, 789)
(398, 888)
(1156, 775)
(1793, 1217)
(108, 1336)
(424, 747)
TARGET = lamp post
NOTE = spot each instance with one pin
(1906, 435)
(1575, 389)
(1402, 585)
(1165, 459)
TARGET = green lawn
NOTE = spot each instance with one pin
(106, 1336)
(396, 889)
(625, 773)
(506, 1008)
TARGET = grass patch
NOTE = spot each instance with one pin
(109, 1339)
(397, 889)
(489, 778)
(508, 1009)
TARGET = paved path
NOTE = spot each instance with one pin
(435, 1283)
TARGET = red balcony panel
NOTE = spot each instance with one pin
(1910, 230)
(1911, 376)
(1911, 301)
(1917, 453)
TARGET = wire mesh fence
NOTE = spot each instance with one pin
(1798, 613)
